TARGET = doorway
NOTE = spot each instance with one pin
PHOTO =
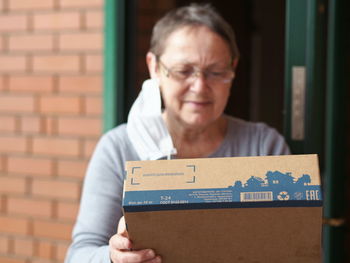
(257, 92)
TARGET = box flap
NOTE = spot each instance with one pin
(223, 180)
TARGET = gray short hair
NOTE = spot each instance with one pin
(193, 15)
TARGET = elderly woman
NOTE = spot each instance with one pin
(192, 64)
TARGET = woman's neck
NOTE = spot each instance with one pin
(196, 142)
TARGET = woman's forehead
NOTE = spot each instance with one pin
(194, 44)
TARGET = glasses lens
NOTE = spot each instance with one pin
(183, 73)
(189, 74)
(220, 76)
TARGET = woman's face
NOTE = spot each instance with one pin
(199, 99)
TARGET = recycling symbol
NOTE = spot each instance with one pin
(283, 196)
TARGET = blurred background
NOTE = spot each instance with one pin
(70, 70)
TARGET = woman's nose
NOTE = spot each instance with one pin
(198, 82)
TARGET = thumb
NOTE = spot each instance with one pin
(122, 227)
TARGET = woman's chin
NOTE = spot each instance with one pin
(197, 121)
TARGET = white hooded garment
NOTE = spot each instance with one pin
(146, 128)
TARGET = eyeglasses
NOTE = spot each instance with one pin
(188, 74)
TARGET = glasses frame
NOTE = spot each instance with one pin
(169, 73)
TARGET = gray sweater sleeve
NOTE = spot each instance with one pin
(100, 206)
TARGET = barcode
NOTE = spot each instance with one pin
(256, 196)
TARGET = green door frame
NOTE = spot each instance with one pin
(338, 57)
(114, 63)
(305, 49)
(320, 58)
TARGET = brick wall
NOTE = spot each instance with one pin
(50, 120)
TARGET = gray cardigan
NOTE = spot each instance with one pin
(100, 207)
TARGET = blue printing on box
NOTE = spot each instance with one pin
(276, 187)
(231, 194)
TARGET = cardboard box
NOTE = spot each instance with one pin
(242, 209)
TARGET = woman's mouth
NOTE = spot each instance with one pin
(198, 104)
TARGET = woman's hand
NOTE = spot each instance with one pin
(120, 249)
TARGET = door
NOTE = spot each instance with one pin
(315, 92)
(292, 75)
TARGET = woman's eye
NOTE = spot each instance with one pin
(184, 72)
(216, 74)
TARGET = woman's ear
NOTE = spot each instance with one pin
(151, 61)
(235, 63)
